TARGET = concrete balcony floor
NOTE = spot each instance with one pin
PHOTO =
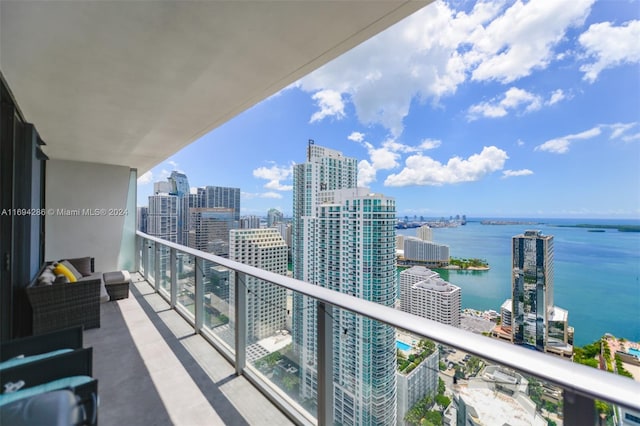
(153, 370)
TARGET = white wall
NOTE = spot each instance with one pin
(75, 187)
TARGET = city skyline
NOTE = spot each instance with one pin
(448, 120)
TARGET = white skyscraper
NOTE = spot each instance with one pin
(344, 239)
(424, 293)
(266, 303)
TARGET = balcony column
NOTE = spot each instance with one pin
(173, 285)
(325, 364)
(240, 300)
(199, 294)
(578, 409)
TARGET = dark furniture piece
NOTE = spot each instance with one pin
(59, 306)
(117, 285)
(69, 338)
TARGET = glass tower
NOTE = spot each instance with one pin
(532, 288)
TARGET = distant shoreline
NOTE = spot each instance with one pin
(620, 228)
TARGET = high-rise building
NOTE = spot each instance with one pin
(274, 216)
(250, 222)
(162, 219)
(220, 196)
(424, 293)
(425, 233)
(209, 229)
(419, 379)
(344, 239)
(425, 253)
(536, 322)
(179, 186)
(141, 218)
(266, 302)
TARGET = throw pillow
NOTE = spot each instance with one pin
(82, 265)
(61, 279)
(61, 269)
(72, 269)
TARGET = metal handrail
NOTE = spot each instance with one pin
(577, 378)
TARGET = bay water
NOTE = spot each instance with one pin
(596, 278)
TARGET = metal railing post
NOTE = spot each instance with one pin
(156, 266)
(136, 264)
(199, 294)
(325, 363)
(240, 300)
(173, 285)
(578, 409)
(145, 258)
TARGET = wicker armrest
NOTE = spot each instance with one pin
(65, 305)
(69, 338)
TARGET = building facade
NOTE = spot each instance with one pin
(416, 384)
(424, 293)
(274, 216)
(424, 252)
(266, 303)
(344, 239)
(209, 229)
(536, 321)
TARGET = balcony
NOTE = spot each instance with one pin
(163, 350)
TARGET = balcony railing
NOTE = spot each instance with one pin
(215, 294)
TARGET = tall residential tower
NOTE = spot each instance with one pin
(344, 240)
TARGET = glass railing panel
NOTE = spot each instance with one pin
(164, 280)
(186, 284)
(218, 302)
(281, 349)
(151, 255)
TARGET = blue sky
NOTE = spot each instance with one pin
(491, 109)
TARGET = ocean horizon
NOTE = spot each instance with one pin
(596, 274)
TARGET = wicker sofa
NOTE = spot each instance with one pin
(61, 305)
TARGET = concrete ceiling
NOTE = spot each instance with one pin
(133, 82)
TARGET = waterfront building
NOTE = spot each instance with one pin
(400, 244)
(426, 253)
(274, 216)
(344, 239)
(536, 321)
(266, 303)
(415, 384)
(425, 233)
(423, 292)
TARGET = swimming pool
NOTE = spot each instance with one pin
(634, 352)
(402, 346)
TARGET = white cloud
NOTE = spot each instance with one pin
(145, 178)
(274, 175)
(609, 46)
(356, 137)
(164, 174)
(513, 173)
(270, 194)
(173, 164)
(430, 53)
(513, 99)
(619, 129)
(330, 103)
(423, 170)
(556, 97)
(520, 142)
(427, 144)
(561, 145)
(631, 138)
(366, 173)
(522, 39)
